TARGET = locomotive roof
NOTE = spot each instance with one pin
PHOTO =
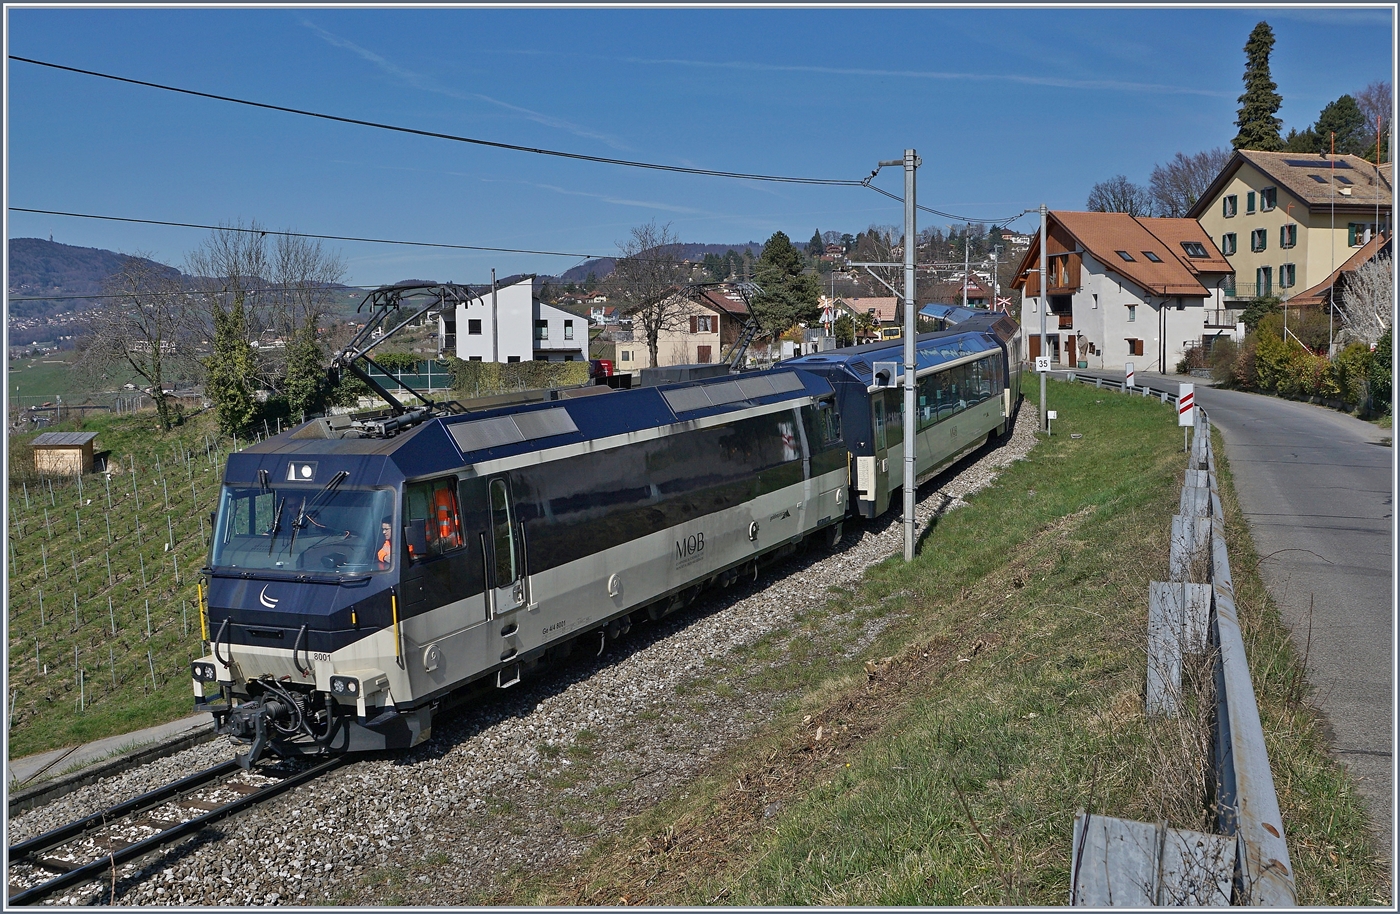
(448, 442)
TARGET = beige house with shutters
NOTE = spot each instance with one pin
(705, 324)
(1287, 220)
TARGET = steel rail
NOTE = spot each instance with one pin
(104, 864)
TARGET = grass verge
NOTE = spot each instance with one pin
(943, 764)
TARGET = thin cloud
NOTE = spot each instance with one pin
(1053, 81)
(621, 201)
(429, 84)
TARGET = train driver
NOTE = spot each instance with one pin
(386, 552)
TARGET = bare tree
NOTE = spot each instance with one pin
(649, 277)
(1366, 302)
(1119, 195)
(145, 325)
(1374, 102)
(1177, 185)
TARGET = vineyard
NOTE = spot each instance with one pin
(103, 605)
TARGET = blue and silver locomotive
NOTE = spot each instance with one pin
(361, 573)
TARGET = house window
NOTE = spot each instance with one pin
(1358, 233)
(626, 355)
(1194, 249)
(1288, 235)
(568, 330)
(1264, 281)
(1227, 243)
(1229, 206)
(512, 358)
(1258, 240)
(1126, 256)
(1287, 276)
(1096, 301)
(541, 330)
(1134, 346)
(1228, 285)
(1151, 256)
(700, 324)
(1132, 313)
(474, 327)
(475, 358)
(1268, 199)
(1249, 202)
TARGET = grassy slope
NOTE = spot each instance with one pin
(1004, 695)
(47, 712)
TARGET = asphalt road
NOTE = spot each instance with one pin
(1316, 488)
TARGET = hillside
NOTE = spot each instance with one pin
(602, 267)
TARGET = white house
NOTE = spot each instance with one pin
(517, 327)
(1123, 289)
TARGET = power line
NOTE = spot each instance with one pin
(948, 215)
(290, 234)
(783, 179)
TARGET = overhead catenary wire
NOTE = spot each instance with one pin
(475, 141)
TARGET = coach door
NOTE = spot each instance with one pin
(506, 549)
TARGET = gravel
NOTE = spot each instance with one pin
(528, 779)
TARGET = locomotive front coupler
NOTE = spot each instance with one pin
(268, 719)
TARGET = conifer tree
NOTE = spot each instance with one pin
(231, 369)
(1260, 101)
(789, 295)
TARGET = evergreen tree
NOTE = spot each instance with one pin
(1344, 119)
(789, 295)
(1260, 101)
(230, 369)
(306, 383)
(816, 247)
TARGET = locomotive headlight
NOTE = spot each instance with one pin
(345, 685)
(203, 672)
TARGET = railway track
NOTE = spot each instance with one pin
(91, 848)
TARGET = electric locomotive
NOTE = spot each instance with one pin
(364, 572)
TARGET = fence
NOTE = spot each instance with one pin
(1117, 862)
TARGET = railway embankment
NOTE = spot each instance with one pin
(846, 730)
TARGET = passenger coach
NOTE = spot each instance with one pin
(968, 384)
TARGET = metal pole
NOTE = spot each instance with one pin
(967, 263)
(911, 162)
(495, 333)
(1044, 307)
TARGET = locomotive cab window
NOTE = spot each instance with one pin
(302, 528)
(432, 521)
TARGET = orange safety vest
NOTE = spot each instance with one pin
(385, 552)
(445, 507)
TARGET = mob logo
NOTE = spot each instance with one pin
(690, 547)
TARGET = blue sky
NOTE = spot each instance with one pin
(1008, 108)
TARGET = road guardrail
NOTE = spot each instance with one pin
(1117, 862)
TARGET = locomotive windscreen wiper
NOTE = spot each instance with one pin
(329, 488)
(276, 525)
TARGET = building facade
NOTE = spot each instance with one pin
(1286, 220)
(1122, 289)
(515, 327)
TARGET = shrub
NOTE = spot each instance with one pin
(1223, 354)
(1257, 309)
(479, 379)
(1352, 369)
(1380, 375)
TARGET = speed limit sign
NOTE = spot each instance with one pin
(1042, 363)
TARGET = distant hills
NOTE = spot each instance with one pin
(602, 267)
(51, 273)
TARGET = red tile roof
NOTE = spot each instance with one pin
(1103, 235)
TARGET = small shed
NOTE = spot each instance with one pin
(64, 453)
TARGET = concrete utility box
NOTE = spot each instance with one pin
(63, 453)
